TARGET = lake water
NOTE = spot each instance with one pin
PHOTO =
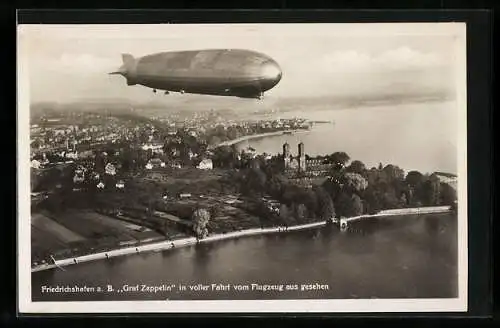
(393, 257)
(414, 136)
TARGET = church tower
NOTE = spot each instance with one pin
(302, 158)
(286, 155)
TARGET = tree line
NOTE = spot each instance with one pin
(347, 190)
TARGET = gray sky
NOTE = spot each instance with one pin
(70, 62)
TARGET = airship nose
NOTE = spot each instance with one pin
(270, 71)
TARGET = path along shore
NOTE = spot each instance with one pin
(260, 135)
(170, 244)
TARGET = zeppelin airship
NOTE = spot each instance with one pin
(221, 72)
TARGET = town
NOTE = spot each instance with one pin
(101, 180)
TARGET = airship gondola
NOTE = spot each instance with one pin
(221, 72)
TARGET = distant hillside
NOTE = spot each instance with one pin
(188, 102)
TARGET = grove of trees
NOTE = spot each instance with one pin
(348, 191)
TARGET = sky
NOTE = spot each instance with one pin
(70, 62)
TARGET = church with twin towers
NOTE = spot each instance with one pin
(303, 170)
(292, 163)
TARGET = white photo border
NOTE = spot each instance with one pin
(26, 306)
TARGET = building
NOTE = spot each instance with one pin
(302, 158)
(72, 155)
(36, 164)
(156, 148)
(294, 163)
(79, 176)
(156, 162)
(110, 169)
(86, 154)
(286, 155)
(448, 178)
(301, 171)
(176, 165)
(206, 164)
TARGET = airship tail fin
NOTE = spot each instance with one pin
(128, 60)
(127, 68)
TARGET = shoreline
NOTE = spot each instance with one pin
(172, 244)
(260, 135)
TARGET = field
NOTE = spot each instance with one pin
(171, 225)
(232, 219)
(59, 232)
(75, 231)
(186, 180)
(48, 236)
(112, 218)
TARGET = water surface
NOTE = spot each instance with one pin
(395, 257)
(415, 136)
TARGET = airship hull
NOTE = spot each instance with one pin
(227, 72)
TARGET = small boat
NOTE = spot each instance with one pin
(287, 132)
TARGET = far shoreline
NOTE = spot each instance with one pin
(259, 136)
(301, 131)
(172, 244)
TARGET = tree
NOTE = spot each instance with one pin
(389, 198)
(426, 193)
(403, 200)
(448, 194)
(301, 212)
(372, 176)
(338, 160)
(310, 200)
(409, 194)
(430, 191)
(256, 180)
(356, 205)
(325, 203)
(353, 182)
(333, 185)
(284, 213)
(255, 163)
(291, 194)
(225, 156)
(394, 172)
(342, 204)
(232, 134)
(127, 160)
(372, 199)
(100, 163)
(275, 185)
(348, 205)
(356, 167)
(200, 218)
(414, 178)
